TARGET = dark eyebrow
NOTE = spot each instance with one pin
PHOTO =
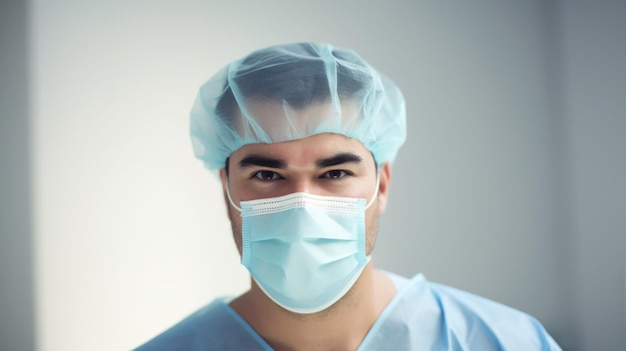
(344, 157)
(261, 161)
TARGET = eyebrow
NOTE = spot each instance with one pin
(269, 162)
(261, 161)
(344, 157)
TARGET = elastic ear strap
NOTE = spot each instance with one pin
(375, 192)
(230, 199)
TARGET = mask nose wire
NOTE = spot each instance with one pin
(230, 199)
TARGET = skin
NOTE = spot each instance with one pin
(324, 164)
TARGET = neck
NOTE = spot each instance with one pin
(340, 327)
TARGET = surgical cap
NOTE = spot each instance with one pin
(264, 98)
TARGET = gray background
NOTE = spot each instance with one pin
(511, 184)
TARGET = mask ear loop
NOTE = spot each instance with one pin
(375, 192)
(230, 199)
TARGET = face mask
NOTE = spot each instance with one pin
(304, 251)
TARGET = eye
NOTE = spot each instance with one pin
(335, 174)
(266, 176)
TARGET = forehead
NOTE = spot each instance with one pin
(306, 150)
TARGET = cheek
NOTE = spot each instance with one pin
(235, 224)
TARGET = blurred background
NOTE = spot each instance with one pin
(511, 184)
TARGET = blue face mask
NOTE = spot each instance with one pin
(304, 251)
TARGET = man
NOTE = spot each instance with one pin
(303, 136)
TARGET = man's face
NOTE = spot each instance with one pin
(324, 164)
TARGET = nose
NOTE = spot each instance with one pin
(301, 185)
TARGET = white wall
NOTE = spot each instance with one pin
(594, 103)
(131, 233)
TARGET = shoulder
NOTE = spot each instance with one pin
(471, 321)
(474, 306)
(214, 325)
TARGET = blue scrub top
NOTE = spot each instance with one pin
(422, 316)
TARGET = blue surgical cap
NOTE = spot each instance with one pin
(261, 98)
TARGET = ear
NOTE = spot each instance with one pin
(383, 186)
